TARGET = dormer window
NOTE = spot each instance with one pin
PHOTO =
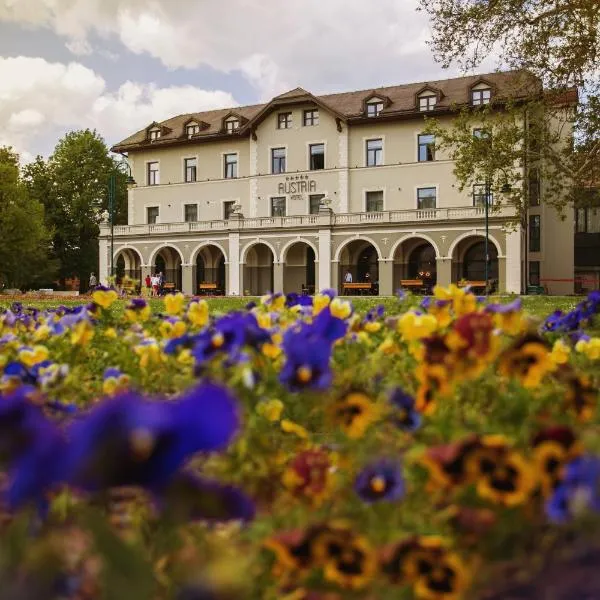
(374, 108)
(427, 103)
(481, 96)
(154, 134)
(232, 125)
(192, 129)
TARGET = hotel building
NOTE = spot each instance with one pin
(309, 192)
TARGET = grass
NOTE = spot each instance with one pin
(536, 305)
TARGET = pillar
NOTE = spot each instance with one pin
(444, 270)
(386, 276)
(187, 280)
(325, 263)
(234, 264)
(513, 261)
(277, 277)
(103, 268)
(502, 287)
(335, 276)
(226, 290)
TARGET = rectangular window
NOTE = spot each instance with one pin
(153, 173)
(190, 169)
(374, 108)
(278, 207)
(374, 201)
(284, 120)
(230, 165)
(427, 103)
(192, 129)
(479, 195)
(191, 212)
(152, 214)
(534, 187)
(277, 160)
(311, 117)
(228, 209)
(479, 97)
(314, 203)
(317, 157)
(426, 148)
(231, 126)
(535, 226)
(154, 134)
(374, 153)
(426, 198)
(534, 272)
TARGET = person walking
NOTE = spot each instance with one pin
(148, 284)
(155, 284)
(93, 282)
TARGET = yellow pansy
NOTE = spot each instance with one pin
(560, 353)
(32, 356)
(320, 302)
(339, 308)
(185, 357)
(105, 298)
(41, 333)
(198, 313)
(174, 303)
(591, 348)
(291, 427)
(372, 326)
(138, 315)
(82, 333)
(149, 353)
(415, 327)
(388, 346)
(172, 330)
(264, 320)
(270, 410)
(110, 332)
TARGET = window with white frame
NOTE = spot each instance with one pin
(427, 103)
(230, 166)
(191, 167)
(153, 173)
(232, 125)
(311, 117)
(426, 150)
(426, 198)
(284, 120)
(374, 201)
(192, 129)
(191, 213)
(152, 215)
(154, 133)
(374, 108)
(277, 160)
(374, 152)
(481, 96)
(480, 193)
(278, 207)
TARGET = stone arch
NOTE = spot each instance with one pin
(199, 247)
(209, 271)
(358, 267)
(129, 249)
(128, 265)
(363, 238)
(159, 248)
(299, 268)
(468, 234)
(284, 250)
(469, 260)
(415, 263)
(258, 269)
(247, 247)
(168, 260)
(410, 236)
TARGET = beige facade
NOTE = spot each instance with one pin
(387, 216)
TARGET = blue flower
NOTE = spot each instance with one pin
(327, 327)
(514, 306)
(579, 490)
(380, 481)
(129, 440)
(405, 416)
(307, 360)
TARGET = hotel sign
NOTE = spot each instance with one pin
(297, 184)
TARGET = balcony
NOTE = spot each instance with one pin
(323, 219)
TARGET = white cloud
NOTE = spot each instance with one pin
(40, 100)
(318, 44)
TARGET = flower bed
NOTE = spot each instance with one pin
(295, 449)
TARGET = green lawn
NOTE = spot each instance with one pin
(538, 305)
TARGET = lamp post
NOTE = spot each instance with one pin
(124, 168)
(487, 236)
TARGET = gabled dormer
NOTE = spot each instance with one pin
(193, 126)
(155, 131)
(232, 122)
(481, 93)
(427, 98)
(374, 104)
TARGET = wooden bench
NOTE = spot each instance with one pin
(414, 284)
(208, 288)
(475, 285)
(129, 289)
(359, 287)
(169, 287)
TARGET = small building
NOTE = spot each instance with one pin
(308, 192)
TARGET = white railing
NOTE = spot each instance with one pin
(366, 218)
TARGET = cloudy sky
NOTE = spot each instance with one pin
(117, 65)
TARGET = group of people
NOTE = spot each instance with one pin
(155, 284)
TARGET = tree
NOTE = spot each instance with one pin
(550, 134)
(73, 186)
(24, 238)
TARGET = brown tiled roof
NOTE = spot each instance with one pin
(350, 105)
